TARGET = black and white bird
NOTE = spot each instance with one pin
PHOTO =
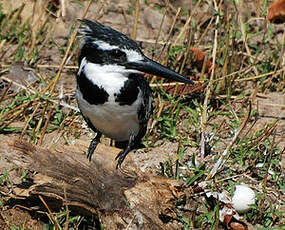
(114, 98)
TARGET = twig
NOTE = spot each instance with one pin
(209, 86)
(269, 158)
(53, 85)
(44, 66)
(129, 224)
(11, 119)
(166, 43)
(63, 8)
(29, 120)
(34, 92)
(45, 126)
(57, 66)
(16, 108)
(223, 158)
(209, 26)
(161, 23)
(186, 24)
(170, 32)
(19, 85)
(134, 36)
(265, 134)
(158, 115)
(2, 43)
(66, 207)
(51, 217)
(244, 36)
(261, 75)
(73, 37)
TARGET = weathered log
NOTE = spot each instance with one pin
(120, 198)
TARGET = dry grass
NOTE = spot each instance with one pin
(214, 119)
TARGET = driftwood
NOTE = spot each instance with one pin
(119, 198)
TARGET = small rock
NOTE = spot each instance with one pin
(22, 75)
(153, 18)
(243, 197)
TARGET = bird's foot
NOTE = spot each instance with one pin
(93, 145)
(121, 157)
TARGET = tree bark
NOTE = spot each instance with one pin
(119, 198)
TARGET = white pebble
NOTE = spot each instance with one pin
(243, 197)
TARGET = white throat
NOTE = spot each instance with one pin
(110, 77)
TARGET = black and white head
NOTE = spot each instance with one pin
(107, 47)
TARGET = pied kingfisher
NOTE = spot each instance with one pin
(114, 98)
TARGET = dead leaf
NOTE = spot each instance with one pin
(276, 12)
(199, 57)
(184, 89)
(238, 226)
(227, 214)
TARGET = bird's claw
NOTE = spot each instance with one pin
(92, 148)
(121, 157)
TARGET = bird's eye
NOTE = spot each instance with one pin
(116, 53)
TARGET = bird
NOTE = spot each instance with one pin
(112, 94)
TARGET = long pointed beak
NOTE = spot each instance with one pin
(151, 67)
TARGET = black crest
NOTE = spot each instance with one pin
(95, 31)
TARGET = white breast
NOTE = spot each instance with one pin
(113, 120)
